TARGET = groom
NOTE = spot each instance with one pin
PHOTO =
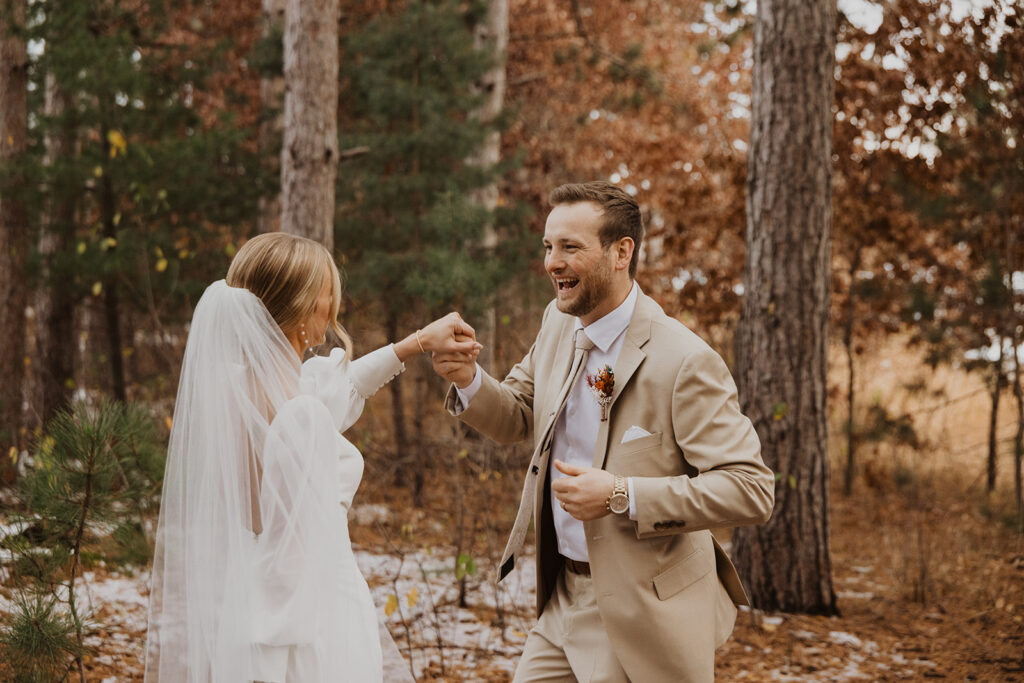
(640, 450)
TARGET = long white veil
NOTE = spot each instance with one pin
(247, 535)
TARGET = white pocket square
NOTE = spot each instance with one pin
(634, 433)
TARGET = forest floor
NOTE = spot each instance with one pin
(927, 569)
(926, 589)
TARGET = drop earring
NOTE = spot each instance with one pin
(303, 337)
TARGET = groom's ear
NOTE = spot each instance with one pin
(624, 253)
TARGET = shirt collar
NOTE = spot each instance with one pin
(605, 331)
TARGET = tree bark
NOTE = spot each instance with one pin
(111, 297)
(13, 232)
(419, 447)
(999, 383)
(490, 37)
(1013, 265)
(54, 305)
(309, 154)
(271, 123)
(398, 414)
(1018, 437)
(851, 433)
(783, 329)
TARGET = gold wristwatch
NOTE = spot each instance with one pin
(618, 502)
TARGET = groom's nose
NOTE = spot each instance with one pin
(553, 261)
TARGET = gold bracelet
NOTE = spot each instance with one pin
(419, 343)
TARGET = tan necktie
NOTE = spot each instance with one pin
(539, 462)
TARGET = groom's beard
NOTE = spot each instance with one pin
(588, 293)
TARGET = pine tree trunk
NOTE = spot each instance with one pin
(782, 334)
(998, 384)
(1013, 266)
(111, 297)
(398, 414)
(1018, 437)
(13, 233)
(54, 304)
(271, 123)
(419, 447)
(492, 37)
(851, 433)
(309, 155)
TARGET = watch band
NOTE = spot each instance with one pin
(620, 485)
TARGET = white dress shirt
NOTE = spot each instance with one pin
(575, 432)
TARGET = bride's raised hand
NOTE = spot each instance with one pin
(450, 334)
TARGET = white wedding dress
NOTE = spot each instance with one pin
(254, 578)
(304, 424)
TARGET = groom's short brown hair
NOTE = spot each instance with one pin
(622, 216)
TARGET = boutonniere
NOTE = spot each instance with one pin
(602, 384)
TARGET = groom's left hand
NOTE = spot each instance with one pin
(584, 492)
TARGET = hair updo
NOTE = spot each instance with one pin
(287, 273)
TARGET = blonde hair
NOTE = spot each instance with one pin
(287, 273)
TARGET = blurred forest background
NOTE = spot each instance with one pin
(142, 145)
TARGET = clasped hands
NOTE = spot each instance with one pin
(450, 335)
(584, 491)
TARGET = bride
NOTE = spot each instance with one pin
(253, 575)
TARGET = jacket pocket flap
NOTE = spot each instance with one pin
(683, 574)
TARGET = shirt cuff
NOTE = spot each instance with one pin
(372, 371)
(632, 499)
(466, 395)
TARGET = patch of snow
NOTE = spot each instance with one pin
(368, 515)
(428, 624)
(843, 638)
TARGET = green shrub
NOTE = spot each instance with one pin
(94, 467)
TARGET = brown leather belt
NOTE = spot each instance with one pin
(577, 567)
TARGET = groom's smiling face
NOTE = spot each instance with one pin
(580, 268)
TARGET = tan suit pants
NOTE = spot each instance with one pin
(569, 642)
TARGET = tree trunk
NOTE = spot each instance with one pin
(1018, 437)
(998, 384)
(851, 433)
(419, 447)
(13, 233)
(1013, 265)
(398, 414)
(54, 304)
(492, 37)
(782, 334)
(268, 218)
(111, 299)
(309, 154)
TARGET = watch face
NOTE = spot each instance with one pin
(619, 503)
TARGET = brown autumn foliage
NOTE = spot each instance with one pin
(649, 91)
(649, 95)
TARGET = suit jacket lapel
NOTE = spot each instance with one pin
(626, 365)
(553, 382)
(560, 367)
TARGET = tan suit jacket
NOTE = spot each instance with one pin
(664, 608)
